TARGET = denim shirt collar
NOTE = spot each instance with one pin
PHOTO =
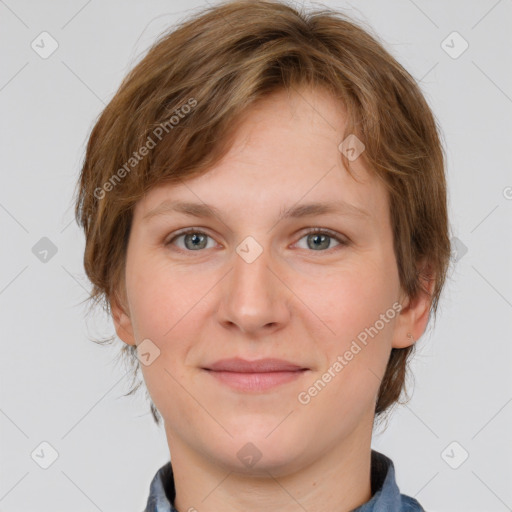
(386, 496)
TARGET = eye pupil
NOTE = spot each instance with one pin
(195, 238)
(318, 237)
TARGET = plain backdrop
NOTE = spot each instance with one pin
(61, 397)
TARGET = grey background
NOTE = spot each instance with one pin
(58, 387)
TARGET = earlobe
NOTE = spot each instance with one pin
(413, 318)
(122, 322)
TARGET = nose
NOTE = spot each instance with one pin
(254, 299)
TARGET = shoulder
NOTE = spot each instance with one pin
(410, 504)
(161, 491)
(386, 496)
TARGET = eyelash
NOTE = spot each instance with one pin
(313, 231)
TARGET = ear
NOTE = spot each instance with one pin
(122, 320)
(413, 318)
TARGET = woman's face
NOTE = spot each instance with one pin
(251, 285)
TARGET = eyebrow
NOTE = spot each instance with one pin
(204, 210)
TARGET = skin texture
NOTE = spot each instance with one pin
(295, 301)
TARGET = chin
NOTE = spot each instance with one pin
(256, 452)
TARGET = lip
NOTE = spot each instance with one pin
(239, 365)
(254, 376)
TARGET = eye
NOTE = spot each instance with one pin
(193, 239)
(319, 238)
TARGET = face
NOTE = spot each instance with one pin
(245, 285)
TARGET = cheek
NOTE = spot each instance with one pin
(159, 298)
(349, 300)
(358, 308)
(356, 348)
(162, 305)
(165, 307)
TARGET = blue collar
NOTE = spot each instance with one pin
(386, 496)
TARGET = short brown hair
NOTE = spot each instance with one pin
(218, 63)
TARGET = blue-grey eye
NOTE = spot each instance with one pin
(193, 240)
(321, 240)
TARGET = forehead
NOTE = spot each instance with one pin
(285, 150)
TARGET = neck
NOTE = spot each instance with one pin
(338, 480)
